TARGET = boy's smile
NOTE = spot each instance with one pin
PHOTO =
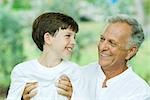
(70, 49)
(63, 42)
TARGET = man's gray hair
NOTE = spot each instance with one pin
(137, 32)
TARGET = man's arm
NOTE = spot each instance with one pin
(138, 96)
(27, 94)
(64, 86)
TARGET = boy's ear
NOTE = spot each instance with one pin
(47, 38)
(131, 52)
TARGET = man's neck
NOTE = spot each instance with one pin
(112, 72)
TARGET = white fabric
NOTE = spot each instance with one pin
(126, 86)
(46, 77)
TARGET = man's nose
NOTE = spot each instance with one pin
(103, 45)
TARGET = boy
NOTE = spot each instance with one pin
(54, 34)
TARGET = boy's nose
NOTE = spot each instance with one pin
(73, 41)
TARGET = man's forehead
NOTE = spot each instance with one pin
(110, 37)
(118, 29)
(114, 36)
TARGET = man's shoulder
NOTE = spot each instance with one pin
(138, 82)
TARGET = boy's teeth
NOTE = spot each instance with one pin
(70, 49)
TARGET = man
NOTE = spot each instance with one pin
(112, 78)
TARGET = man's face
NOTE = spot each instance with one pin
(112, 45)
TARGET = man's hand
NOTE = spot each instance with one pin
(28, 93)
(64, 86)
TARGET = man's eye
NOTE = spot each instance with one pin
(113, 44)
(102, 39)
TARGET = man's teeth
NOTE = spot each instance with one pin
(104, 55)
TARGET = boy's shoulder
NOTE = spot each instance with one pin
(72, 68)
(90, 70)
(91, 67)
(71, 64)
(25, 65)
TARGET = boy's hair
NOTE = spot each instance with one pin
(51, 22)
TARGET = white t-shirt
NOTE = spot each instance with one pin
(126, 86)
(30, 71)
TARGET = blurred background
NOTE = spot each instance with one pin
(16, 17)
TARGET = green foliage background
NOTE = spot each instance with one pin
(16, 17)
(11, 50)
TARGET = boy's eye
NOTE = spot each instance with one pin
(75, 37)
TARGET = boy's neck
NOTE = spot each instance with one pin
(49, 61)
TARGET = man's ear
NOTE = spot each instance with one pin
(131, 52)
(47, 38)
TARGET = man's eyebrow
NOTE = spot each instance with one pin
(101, 36)
(113, 40)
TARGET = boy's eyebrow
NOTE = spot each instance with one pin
(70, 32)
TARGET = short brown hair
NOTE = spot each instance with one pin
(51, 22)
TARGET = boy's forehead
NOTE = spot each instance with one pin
(68, 30)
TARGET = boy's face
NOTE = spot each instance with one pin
(63, 43)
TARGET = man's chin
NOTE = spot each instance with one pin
(103, 63)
